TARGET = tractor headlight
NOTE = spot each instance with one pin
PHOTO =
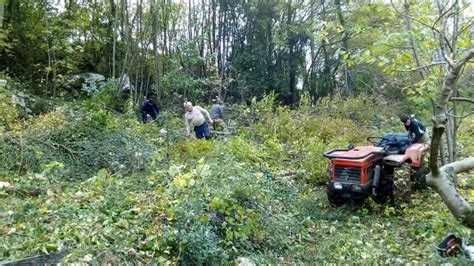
(337, 185)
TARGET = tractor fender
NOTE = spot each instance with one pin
(413, 156)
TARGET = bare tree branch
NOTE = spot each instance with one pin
(444, 13)
(468, 26)
(465, 59)
(460, 116)
(461, 99)
(397, 46)
(421, 67)
(448, 60)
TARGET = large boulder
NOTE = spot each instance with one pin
(88, 79)
(91, 78)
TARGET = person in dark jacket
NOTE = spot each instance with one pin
(149, 107)
(416, 130)
(217, 114)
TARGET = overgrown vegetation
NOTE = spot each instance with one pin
(79, 172)
(111, 190)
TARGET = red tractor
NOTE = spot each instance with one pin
(384, 171)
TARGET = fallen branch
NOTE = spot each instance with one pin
(44, 259)
(26, 191)
(55, 146)
(445, 186)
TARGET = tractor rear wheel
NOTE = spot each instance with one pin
(401, 185)
(419, 180)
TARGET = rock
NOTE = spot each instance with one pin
(243, 261)
(4, 184)
(163, 132)
(89, 79)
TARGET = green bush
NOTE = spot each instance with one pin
(8, 109)
(107, 98)
(304, 135)
(83, 142)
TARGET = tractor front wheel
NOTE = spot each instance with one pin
(401, 185)
(335, 198)
(382, 193)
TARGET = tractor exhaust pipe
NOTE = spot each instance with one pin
(375, 184)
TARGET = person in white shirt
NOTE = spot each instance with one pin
(197, 117)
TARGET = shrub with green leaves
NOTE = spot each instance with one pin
(8, 110)
(83, 142)
(305, 133)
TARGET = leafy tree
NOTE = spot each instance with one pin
(438, 72)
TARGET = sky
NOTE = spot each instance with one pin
(60, 4)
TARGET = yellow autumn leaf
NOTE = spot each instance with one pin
(136, 210)
(183, 180)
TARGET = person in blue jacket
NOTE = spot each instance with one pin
(416, 130)
(149, 107)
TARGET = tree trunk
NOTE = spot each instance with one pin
(291, 58)
(412, 42)
(450, 139)
(13, 8)
(1, 13)
(442, 151)
(154, 36)
(214, 45)
(202, 53)
(114, 41)
(345, 45)
(190, 31)
(224, 37)
(442, 179)
(51, 66)
(452, 121)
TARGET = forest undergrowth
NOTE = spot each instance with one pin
(108, 189)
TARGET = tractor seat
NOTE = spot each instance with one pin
(394, 143)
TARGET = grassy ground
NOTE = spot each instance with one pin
(256, 193)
